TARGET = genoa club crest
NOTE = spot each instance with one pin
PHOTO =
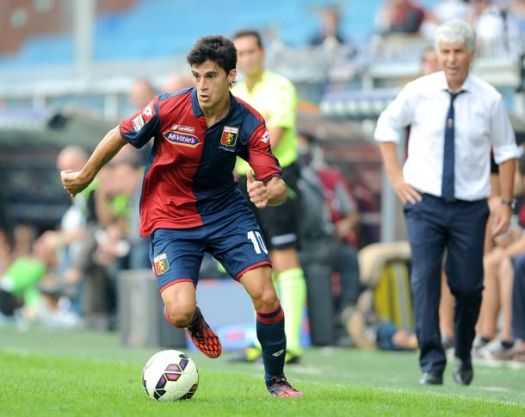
(229, 136)
(161, 264)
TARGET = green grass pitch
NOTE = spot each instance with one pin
(45, 373)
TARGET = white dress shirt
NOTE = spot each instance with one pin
(481, 121)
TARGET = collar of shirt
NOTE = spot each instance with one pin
(441, 83)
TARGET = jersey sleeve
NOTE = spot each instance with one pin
(142, 126)
(260, 156)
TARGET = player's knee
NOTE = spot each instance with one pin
(179, 316)
(266, 299)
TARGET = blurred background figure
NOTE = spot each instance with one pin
(330, 248)
(176, 82)
(23, 239)
(493, 27)
(74, 224)
(329, 32)
(429, 61)
(516, 13)
(275, 97)
(494, 334)
(20, 282)
(517, 353)
(141, 93)
(5, 251)
(319, 251)
(399, 17)
(441, 12)
(128, 174)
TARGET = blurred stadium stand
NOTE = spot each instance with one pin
(166, 27)
(29, 143)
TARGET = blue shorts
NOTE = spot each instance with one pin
(236, 242)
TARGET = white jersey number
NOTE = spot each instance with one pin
(257, 241)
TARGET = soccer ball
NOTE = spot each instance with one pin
(170, 375)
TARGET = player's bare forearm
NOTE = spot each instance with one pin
(75, 182)
(276, 191)
(103, 153)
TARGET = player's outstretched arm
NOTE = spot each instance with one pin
(75, 181)
(271, 193)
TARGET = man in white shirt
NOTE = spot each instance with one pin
(455, 119)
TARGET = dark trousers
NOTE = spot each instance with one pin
(317, 258)
(434, 225)
(348, 268)
(518, 299)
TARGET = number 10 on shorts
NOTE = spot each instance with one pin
(257, 241)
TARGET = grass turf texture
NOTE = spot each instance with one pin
(82, 373)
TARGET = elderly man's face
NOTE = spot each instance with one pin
(455, 59)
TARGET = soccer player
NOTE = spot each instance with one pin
(275, 97)
(190, 203)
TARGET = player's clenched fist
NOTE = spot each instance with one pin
(257, 191)
(73, 182)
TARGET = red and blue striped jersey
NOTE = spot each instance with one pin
(189, 178)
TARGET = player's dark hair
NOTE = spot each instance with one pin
(245, 33)
(217, 49)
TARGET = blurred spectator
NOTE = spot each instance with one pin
(518, 310)
(329, 33)
(23, 238)
(344, 218)
(19, 284)
(493, 28)
(383, 319)
(429, 61)
(516, 14)
(5, 251)
(141, 93)
(69, 239)
(176, 82)
(399, 17)
(441, 12)
(128, 174)
(95, 265)
(81, 212)
(317, 254)
(498, 281)
(366, 333)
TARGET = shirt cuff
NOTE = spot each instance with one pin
(504, 153)
(387, 134)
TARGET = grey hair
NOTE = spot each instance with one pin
(456, 31)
